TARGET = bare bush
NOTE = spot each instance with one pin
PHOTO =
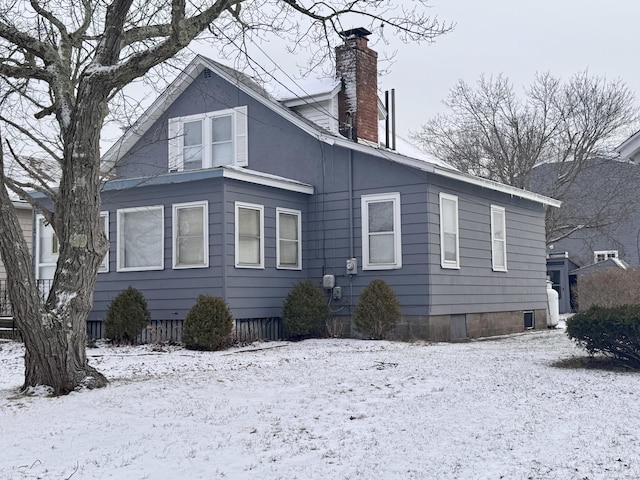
(609, 288)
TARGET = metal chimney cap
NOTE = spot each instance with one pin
(359, 32)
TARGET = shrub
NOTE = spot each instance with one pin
(378, 310)
(609, 288)
(305, 311)
(127, 315)
(208, 324)
(613, 332)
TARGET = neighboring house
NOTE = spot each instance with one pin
(25, 216)
(221, 189)
(605, 194)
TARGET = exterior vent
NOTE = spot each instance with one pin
(206, 73)
(529, 319)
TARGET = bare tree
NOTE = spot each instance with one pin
(491, 132)
(62, 66)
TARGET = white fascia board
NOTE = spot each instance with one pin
(311, 99)
(499, 187)
(265, 179)
(20, 205)
(630, 146)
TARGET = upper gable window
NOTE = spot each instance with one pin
(602, 255)
(212, 139)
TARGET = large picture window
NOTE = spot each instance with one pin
(141, 238)
(449, 241)
(208, 140)
(381, 235)
(498, 239)
(289, 233)
(190, 235)
(249, 235)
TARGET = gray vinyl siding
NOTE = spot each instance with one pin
(260, 292)
(475, 287)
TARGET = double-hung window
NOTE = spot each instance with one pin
(208, 140)
(289, 234)
(140, 238)
(249, 235)
(381, 235)
(449, 237)
(190, 235)
(498, 239)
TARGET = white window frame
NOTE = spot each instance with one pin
(260, 209)
(606, 253)
(453, 264)
(495, 260)
(298, 214)
(239, 136)
(104, 265)
(40, 224)
(121, 244)
(205, 234)
(365, 201)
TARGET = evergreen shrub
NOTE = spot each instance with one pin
(127, 315)
(208, 324)
(613, 332)
(305, 311)
(378, 310)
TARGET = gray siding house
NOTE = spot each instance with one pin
(222, 189)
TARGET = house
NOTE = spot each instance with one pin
(25, 217)
(221, 189)
(604, 196)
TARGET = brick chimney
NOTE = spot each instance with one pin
(357, 68)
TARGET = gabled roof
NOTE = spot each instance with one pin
(630, 148)
(428, 164)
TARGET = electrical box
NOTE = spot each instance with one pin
(328, 282)
(336, 293)
(352, 266)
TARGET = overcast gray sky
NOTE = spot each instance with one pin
(517, 38)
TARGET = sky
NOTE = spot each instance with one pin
(329, 409)
(513, 38)
(517, 39)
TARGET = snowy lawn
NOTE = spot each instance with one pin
(329, 409)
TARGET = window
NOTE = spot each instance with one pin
(249, 235)
(289, 234)
(498, 239)
(208, 140)
(190, 235)
(449, 241)
(140, 238)
(381, 236)
(104, 218)
(602, 255)
(47, 249)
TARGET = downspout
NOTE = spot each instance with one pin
(351, 236)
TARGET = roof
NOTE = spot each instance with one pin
(630, 147)
(425, 163)
(596, 267)
(235, 173)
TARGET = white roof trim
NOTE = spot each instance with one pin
(500, 187)
(265, 179)
(630, 146)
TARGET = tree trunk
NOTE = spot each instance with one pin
(55, 331)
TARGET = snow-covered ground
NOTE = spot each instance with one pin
(329, 409)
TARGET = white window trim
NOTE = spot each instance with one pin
(104, 265)
(498, 268)
(239, 135)
(298, 214)
(119, 256)
(253, 206)
(448, 263)
(365, 200)
(39, 220)
(607, 253)
(205, 234)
